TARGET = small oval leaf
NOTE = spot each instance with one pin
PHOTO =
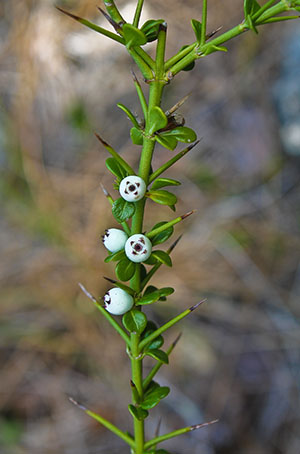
(182, 134)
(133, 36)
(136, 136)
(115, 168)
(162, 182)
(151, 29)
(149, 298)
(157, 119)
(161, 196)
(122, 210)
(137, 412)
(159, 355)
(168, 142)
(135, 321)
(162, 236)
(115, 256)
(125, 269)
(163, 257)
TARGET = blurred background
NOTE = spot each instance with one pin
(238, 358)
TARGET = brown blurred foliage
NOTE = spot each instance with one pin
(238, 359)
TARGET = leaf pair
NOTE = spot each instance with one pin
(169, 139)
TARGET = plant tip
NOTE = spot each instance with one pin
(77, 404)
(89, 295)
(199, 426)
(197, 305)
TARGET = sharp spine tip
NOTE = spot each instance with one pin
(89, 295)
(176, 340)
(73, 401)
(199, 426)
(197, 305)
(113, 281)
(188, 214)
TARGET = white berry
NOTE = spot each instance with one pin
(114, 239)
(117, 301)
(138, 248)
(132, 188)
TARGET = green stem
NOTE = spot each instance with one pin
(181, 54)
(175, 433)
(263, 9)
(165, 226)
(273, 11)
(137, 378)
(172, 161)
(141, 96)
(138, 12)
(204, 22)
(167, 325)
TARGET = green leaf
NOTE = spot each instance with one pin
(115, 168)
(162, 236)
(137, 412)
(115, 257)
(129, 114)
(135, 321)
(161, 196)
(168, 142)
(133, 36)
(148, 298)
(212, 48)
(151, 29)
(159, 355)
(157, 119)
(250, 7)
(166, 291)
(157, 343)
(154, 395)
(163, 257)
(151, 260)
(162, 182)
(122, 210)
(197, 29)
(182, 134)
(125, 269)
(136, 136)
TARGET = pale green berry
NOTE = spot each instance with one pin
(132, 188)
(138, 248)
(117, 301)
(114, 239)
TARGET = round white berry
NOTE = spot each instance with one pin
(114, 239)
(138, 248)
(132, 188)
(117, 301)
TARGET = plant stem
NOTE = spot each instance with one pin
(204, 21)
(137, 378)
(138, 12)
(263, 9)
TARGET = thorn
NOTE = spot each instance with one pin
(132, 384)
(177, 105)
(73, 16)
(109, 280)
(115, 25)
(197, 305)
(77, 404)
(158, 428)
(163, 27)
(135, 79)
(209, 35)
(174, 244)
(105, 144)
(89, 295)
(188, 214)
(106, 193)
(176, 340)
(199, 426)
(190, 147)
